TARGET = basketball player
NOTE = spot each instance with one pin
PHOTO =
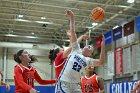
(69, 80)
(91, 82)
(4, 84)
(136, 87)
(59, 55)
(24, 74)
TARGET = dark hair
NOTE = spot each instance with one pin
(19, 53)
(53, 53)
(16, 56)
(33, 59)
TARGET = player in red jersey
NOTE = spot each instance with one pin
(60, 61)
(91, 82)
(136, 87)
(59, 55)
(24, 74)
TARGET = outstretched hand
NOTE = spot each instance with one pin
(33, 91)
(8, 87)
(69, 13)
(86, 37)
(103, 41)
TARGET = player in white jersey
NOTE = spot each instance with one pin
(69, 80)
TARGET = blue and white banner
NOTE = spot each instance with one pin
(138, 24)
(122, 87)
(117, 33)
(110, 63)
(108, 37)
(136, 57)
(127, 66)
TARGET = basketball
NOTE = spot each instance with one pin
(97, 14)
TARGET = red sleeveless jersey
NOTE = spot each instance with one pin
(23, 77)
(89, 85)
(59, 63)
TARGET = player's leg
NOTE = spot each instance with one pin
(77, 88)
(62, 87)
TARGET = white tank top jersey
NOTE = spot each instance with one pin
(75, 63)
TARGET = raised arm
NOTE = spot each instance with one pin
(72, 26)
(101, 84)
(41, 81)
(100, 61)
(67, 52)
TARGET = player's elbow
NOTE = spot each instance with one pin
(42, 83)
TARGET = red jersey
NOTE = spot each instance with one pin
(24, 78)
(59, 63)
(89, 85)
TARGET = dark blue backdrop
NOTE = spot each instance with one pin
(42, 89)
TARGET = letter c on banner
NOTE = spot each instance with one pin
(113, 88)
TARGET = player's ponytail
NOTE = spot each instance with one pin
(33, 59)
(50, 54)
(53, 53)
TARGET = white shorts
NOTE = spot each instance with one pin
(66, 87)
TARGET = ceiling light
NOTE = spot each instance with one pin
(122, 6)
(115, 27)
(130, 1)
(20, 16)
(43, 17)
(67, 40)
(89, 27)
(42, 22)
(11, 35)
(30, 37)
(94, 24)
(23, 20)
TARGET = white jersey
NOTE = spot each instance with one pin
(75, 63)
